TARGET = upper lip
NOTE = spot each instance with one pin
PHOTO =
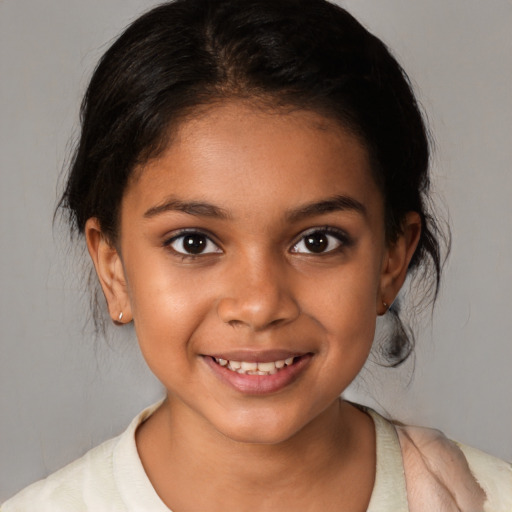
(256, 356)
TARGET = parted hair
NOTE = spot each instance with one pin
(307, 54)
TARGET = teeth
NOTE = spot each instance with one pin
(252, 368)
(249, 366)
(266, 367)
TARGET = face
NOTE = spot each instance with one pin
(253, 262)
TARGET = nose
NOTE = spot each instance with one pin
(259, 296)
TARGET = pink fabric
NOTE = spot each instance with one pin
(438, 477)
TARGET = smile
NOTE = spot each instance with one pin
(259, 373)
(255, 368)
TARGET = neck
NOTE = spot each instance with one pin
(175, 447)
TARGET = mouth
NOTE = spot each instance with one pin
(264, 373)
(254, 367)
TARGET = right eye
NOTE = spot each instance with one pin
(193, 244)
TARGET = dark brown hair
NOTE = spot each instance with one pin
(301, 53)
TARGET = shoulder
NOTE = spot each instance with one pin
(493, 475)
(460, 477)
(72, 487)
(107, 477)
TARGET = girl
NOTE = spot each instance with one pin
(251, 181)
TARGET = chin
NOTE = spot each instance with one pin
(268, 428)
(259, 436)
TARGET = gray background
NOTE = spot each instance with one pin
(61, 392)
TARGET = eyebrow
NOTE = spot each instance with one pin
(332, 204)
(202, 209)
(197, 208)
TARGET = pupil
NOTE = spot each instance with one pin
(194, 244)
(316, 242)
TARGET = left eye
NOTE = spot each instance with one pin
(318, 242)
(192, 244)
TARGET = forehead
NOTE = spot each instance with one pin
(244, 156)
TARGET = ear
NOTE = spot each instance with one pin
(110, 271)
(396, 261)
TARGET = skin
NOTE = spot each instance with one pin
(256, 288)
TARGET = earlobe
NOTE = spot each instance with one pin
(110, 272)
(396, 261)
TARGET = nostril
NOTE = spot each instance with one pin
(235, 323)
(277, 322)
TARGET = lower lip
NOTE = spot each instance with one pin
(260, 384)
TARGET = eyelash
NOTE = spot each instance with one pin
(190, 232)
(341, 237)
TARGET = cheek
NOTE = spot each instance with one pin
(343, 305)
(167, 306)
(346, 296)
